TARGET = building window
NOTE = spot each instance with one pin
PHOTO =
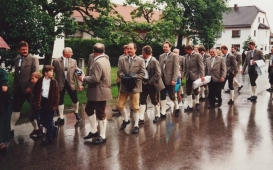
(236, 33)
(237, 46)
(263, 20)
(271, 40)
(259, 19)
(254, 33)
(265, 47)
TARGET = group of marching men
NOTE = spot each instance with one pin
(152, 77)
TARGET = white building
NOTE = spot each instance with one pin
(243, 22)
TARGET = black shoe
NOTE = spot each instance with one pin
(36, 133)
(250, 98)
(177, 112)
(201, 98)
(230, 102)
(211, 107)
(254, 98)
(239, 89)
(188, 109)
(78, 116)
(100, 140)
(219, 104)
(91, 135)
(46, 142)
(141, 122)
(59, 121)
(162, 116)
(55, 130)
(4, 150)
(115, 110)
(197, 106)
(135, 130)
(157, 119)
(124, 124)
(227, 91)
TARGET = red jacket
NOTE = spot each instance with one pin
(53, 96)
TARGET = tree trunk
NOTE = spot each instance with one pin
(48, 56)
(179, 41)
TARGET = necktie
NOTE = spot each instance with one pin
(189, 58)
(130, 61)
(165, 58)
(146, 63)
(252, 52)
(212, 61)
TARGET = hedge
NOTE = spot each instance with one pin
(83, 47)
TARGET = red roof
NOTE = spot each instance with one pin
(3, 44)
(124, 11)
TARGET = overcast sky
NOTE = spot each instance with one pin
(265, 5)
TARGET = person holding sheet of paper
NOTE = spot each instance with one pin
(216, 68)
(193, 69)
(251, 57)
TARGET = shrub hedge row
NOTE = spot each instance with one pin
(83, 47)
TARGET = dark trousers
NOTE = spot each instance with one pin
(148, 89)
(46, 117)
(72, 94)
(170, 89)
(215, 91)
(19, 99)
(189, 83)
(229, 77)
(253, 75)
(98, 106)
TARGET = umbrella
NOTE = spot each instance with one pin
(3, 44)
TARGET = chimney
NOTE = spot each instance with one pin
(235, 7)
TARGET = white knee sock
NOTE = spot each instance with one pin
(235, 81)
(14, 118)
(35, 124)
(175, 102)
(190, 100)
(102, 124)
(181, 89)
(142, 111)
(61, 111)
(254, 90)
(93, 123)
(197, 99)
(76, 107)
(136, 117)
(232, 95)
(157, 110)
(163, 106)
(124, 113)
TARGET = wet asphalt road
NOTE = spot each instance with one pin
(238, 137)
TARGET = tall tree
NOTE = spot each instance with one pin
(39, 22)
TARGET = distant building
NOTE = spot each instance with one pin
(243, 22)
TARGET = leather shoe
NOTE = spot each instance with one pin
(211, 107)
(202, 98)
(135, 130)
(141, 122)
(59, 121)
(188, 109)
(177, 112)
(219, 104)
(115, 110)
(239, 89)
(162, 116)
(124, 124)
(91, 135)
(197, 107)
(250, 98)
(100, 140)
(46, 142)
(230, 102)
(55, 130)
(12, 133)
(254, 98)
(227, 91)
(157, 119)
(78, 116)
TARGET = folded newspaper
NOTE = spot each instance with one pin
(258, 66)
(197, 83)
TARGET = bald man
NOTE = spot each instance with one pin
(64, 69)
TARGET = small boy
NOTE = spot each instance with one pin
(46, 101)
(34, 116)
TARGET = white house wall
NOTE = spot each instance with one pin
(228, 40)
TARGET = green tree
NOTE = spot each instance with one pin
(245, 43)
(39, 22)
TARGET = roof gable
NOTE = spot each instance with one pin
(241, 16)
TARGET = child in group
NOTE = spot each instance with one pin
(46, 101)
(34, 116)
